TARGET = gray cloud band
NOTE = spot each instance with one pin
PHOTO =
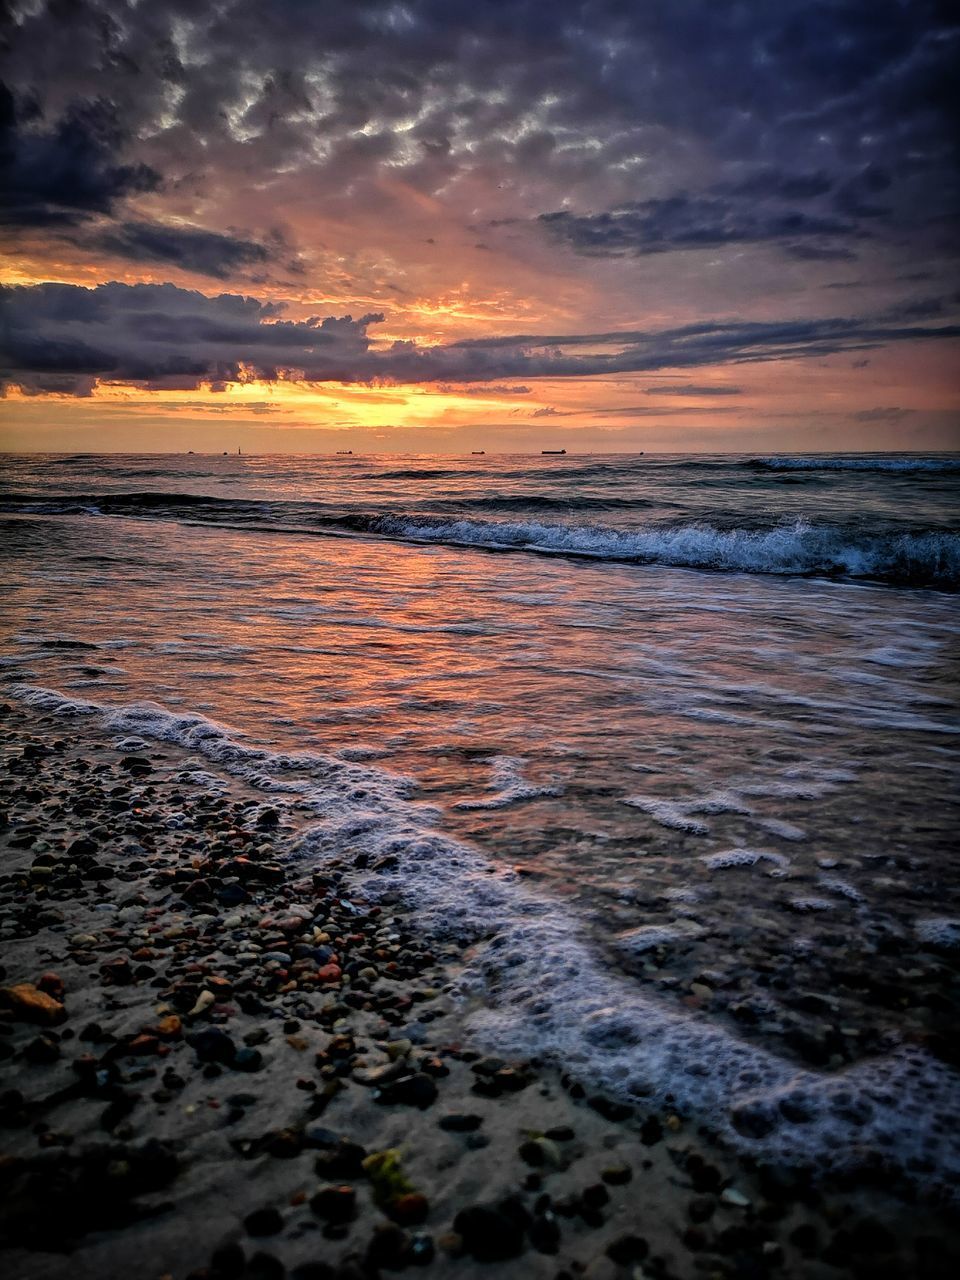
(64, 339)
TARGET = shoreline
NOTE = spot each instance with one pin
(224, 1051)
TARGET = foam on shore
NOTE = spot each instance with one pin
(538, 988)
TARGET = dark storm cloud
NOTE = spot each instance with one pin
(686, 222)
(190, 248)
(62, 175)
(810, 215)
(674, 115)
(161, 336)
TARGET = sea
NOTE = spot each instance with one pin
(665, 747)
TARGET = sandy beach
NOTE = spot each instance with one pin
(219, 1063)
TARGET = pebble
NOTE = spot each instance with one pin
(460, 1122)
(730, 1195)
(335, 1204)
(263, 1222)
(417, 1090)
(27, 1003)
(489, 1233)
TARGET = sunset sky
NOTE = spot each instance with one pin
(502, 224)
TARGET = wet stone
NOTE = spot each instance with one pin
(263, 1222)
(264, 1266)
(627, 1249)
(544, 1233)
(228, 1261)
(387, 1247)
(335, 1203)
(27, 1003)
(489, 1233)
(212, 1045)
(417, 1090)
(460, 1122)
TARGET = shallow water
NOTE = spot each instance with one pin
(721, 804)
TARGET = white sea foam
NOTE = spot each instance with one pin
(794, 462)
(507, 784)
(744, 858)
(784, 830)
(539, 988)
(841, 888)
(648, 936)
(678, 813)
(930, 558)
(940, 931)
(669, 813)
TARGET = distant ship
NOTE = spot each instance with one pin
(553, 451)
(475, 452)
(344, 451)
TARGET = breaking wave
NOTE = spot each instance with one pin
(860, 463)
(930, 559)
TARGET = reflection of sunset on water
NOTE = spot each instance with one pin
(478, 680)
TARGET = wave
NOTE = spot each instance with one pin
(921, 558)
(419, 473)
(549, 502)
(533, 985)
(901, 463)
(930, 559)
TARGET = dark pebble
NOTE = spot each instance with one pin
(544, 1233)
(627, 1249)
(531, 1152)
(228, 1260)
(488, 1233)
(387, 1248)
(610, 1110)
(595, 1196)
(418, 1090)
(335, 1204)
(263, 1222)
(457, 1122)
(42, 1050)
(313, 1271)
(264, 1266)
(560, 1133)
(701, 1208)
(248, 1060)
(212, 1045)
(651, 1131)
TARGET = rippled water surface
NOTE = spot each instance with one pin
(732, 792)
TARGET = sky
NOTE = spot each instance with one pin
(443, 225)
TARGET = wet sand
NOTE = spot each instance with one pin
(216, 1061)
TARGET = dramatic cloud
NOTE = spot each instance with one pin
(669, 120)
(621, 177)
(64, 174)
(206, 252)
(683, 222)
(62, 337)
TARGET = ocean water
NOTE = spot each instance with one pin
(668, 745)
